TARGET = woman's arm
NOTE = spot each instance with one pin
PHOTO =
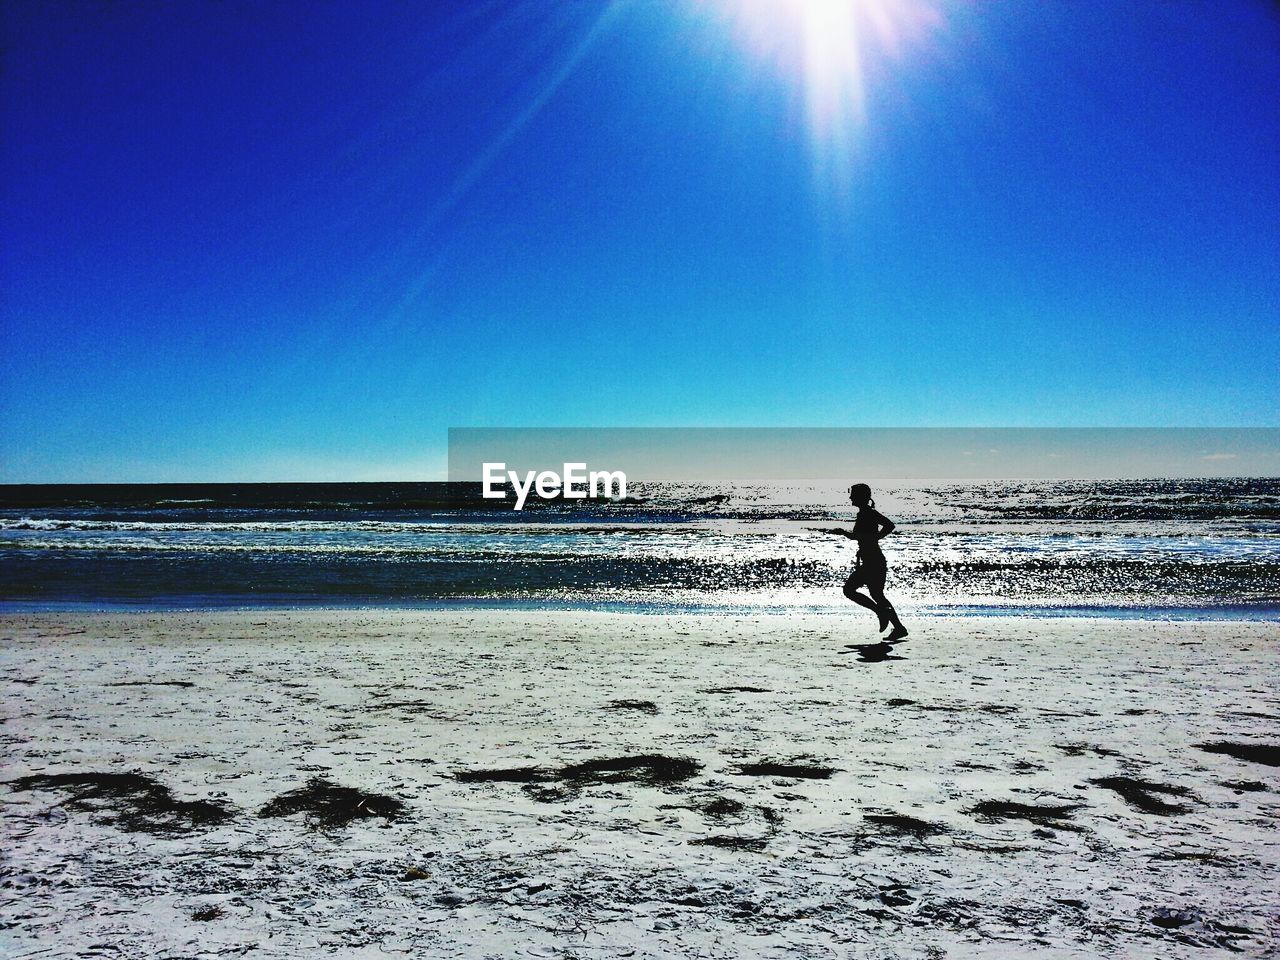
(886, 525)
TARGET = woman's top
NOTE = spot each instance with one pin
(866, 530)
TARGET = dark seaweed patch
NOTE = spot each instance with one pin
(131, 801)
(1246, 786)
(1080, 749)
(1142, 794)
(735, 690)
(752, 844)
(416, 706)
(791, 770)
(326, 804)
(1048, 814)
(902, 824)
(652, 769)
(1265, 753)
(505, 775)
(1196, 856)
(551, 792)
(996, 708)
(716, 808)
(1172, 919)
(644, 706)
(722, 807)
(550, 786)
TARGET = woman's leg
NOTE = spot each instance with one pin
(884, 606)
(887, 614)
(851, 591)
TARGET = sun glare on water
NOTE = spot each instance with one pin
(833, 49)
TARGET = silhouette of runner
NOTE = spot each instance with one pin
(871, 567)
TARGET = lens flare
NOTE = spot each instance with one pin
(834, 49)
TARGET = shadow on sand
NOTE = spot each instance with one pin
(873, 652)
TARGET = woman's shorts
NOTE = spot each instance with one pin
(870, 572)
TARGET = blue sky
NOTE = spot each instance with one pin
(277, 241)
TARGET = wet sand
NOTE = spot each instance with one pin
(497, 784)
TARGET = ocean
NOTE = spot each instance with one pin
(1184, 548)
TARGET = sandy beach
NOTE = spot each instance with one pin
(571, 784)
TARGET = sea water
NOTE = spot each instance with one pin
(1205, 548)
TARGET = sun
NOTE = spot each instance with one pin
(833, 49)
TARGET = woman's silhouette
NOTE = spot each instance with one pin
(871, 568)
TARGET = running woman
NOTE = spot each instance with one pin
(871, 568)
